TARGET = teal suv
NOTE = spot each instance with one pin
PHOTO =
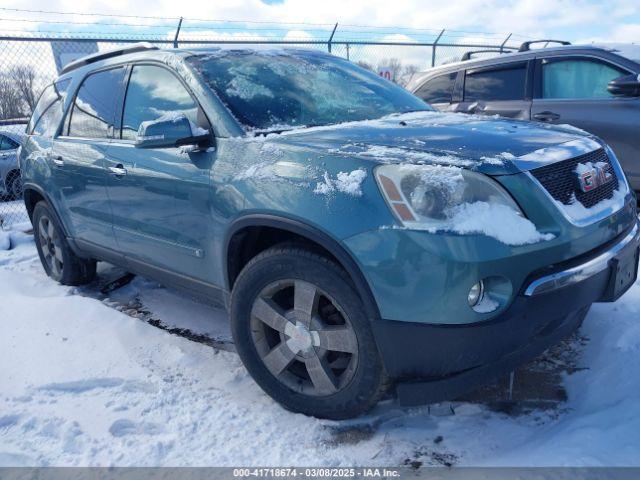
(359, 239)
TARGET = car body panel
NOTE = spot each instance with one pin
(81, 188)
(161, 208)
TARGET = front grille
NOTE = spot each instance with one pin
(560, 181)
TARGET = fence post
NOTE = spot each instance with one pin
(331, 37)
(348, 52)
(505, 42)
(175, 39)
(433, 49)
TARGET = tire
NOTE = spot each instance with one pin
(13, 183)
(58, 260)
(300, 329)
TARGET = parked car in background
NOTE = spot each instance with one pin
(593, 88)
(10, 179)
(359, 238)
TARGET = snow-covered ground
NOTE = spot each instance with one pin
(88, 378)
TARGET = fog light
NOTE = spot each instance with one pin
(476, 294)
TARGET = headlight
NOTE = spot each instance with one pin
(426, 196)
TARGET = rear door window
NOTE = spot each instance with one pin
(438, 89)
(577, 78)
(49, 110)
(93, 112)
(153, 93)
(7, 144)
(502, 83)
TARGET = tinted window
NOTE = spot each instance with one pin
(439, 89)
(577, 79)
(49, 109)
(501, 84)
(7, 144)
(94, 107)
(275, 90)
(154, 92)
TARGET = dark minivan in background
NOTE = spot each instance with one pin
(596, 89)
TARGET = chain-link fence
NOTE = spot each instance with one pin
(30, 60)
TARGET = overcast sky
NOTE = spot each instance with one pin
(575, 20)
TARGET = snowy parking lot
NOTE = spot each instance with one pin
(142, 375)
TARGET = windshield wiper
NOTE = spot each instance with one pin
(280, 130)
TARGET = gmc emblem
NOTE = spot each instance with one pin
(590, 176)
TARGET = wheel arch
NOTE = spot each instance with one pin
(237, 236)
(33, 194)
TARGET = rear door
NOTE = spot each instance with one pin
(573, 90)
(78, 157)
(501, 89)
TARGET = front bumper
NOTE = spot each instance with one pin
(434, 362)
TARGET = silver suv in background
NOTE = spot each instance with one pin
(594, 88)
(10, 179)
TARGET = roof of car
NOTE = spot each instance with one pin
(147, 50)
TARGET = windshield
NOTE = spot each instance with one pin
(279, 90)
(627, 50)
(632, 52)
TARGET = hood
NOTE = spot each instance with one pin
(487, 144)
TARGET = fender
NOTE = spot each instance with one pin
(315, 235)
(40, 191)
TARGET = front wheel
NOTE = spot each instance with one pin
(300, 329)
(58, 260)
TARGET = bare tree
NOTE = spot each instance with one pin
(408, 71)
(11, 102)
(364, 64)
(25, 79)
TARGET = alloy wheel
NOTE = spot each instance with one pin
(303, 337)
(50, 245)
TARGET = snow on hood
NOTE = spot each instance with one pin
(488, 144)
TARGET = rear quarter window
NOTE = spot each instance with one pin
(438, 89)
(49, 109)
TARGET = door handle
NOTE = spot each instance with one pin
(546, 116)
(118, 170)
(57, 160)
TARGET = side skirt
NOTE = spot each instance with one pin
(207, 292)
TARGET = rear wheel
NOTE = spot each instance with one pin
(300, 330)
(58, 260)
(14, 185)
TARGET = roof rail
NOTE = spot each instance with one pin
(467, 55)
(81, 62)
(525, 47)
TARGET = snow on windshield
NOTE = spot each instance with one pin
(267, 90)
(242, 86)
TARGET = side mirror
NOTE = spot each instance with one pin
(170, 131)
(626, 86)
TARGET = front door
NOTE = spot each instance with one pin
(78, 157)
(573, 90)
(160, 198)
